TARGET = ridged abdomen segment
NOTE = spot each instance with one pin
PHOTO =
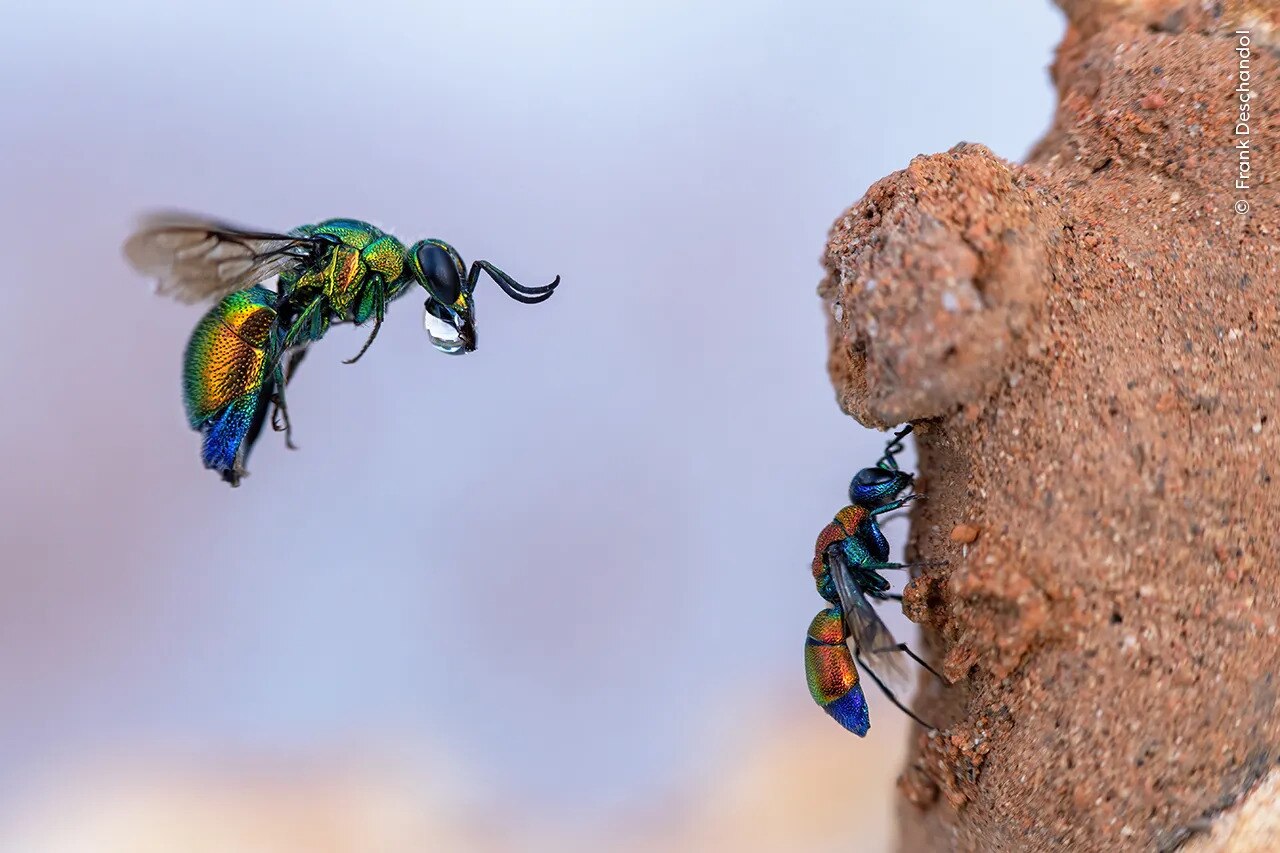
(223, 372)
(224, 448)
(225, 356)
(832, 674)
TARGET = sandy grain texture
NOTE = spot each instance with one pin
(1090, 346)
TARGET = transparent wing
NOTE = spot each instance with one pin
(195, 258)
(869, 638)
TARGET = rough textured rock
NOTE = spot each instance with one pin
(1252, 827)
(1090, 346)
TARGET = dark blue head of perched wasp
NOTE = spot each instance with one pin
(450, 318)
(874, 487)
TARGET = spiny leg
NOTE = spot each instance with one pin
(905, 649)
(305, 316)
(280, 410)
(377, 324)
(291, 368)
(380, 305)
(884, 688)
(884, 567)
(898, 504)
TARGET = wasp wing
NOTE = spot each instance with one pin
(195, 258)
(869, 638)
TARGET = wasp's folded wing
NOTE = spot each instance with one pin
(195, 259)
(872, 641)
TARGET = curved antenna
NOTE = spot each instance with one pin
(894, 447)
(511, 287)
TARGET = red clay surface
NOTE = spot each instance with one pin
(1090, 346)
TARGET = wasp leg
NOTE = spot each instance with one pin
(380, 306)
(883, 567)
(889, 693)
(905, 649)
(278, 412)
(898, 504)
(305, 317)
(294, 360)
(377, 324)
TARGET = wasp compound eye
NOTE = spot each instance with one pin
(439, 273)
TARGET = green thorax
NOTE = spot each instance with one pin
(345, 273)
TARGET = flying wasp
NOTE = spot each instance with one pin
(849, 555)
(248, 346)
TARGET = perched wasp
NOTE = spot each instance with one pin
(339, 271)
(850, 554)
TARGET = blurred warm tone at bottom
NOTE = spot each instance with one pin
(786, 787)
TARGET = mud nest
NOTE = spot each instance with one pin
(1089, 344)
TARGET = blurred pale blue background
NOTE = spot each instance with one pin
(574, 562)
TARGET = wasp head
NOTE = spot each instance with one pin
(873, 487)
(450, 311)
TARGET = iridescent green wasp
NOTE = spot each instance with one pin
(339, 271)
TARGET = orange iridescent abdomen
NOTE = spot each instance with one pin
(224, 373)
(832, 675)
